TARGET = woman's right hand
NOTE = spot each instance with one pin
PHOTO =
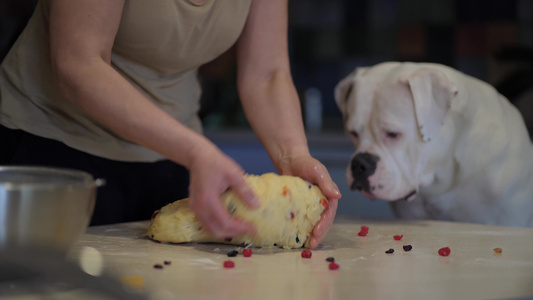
(211, 174)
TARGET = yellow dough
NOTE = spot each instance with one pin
(290, 208)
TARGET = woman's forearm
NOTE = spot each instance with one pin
(275, 115)
(112, 101)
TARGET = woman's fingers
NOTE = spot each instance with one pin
(324, 225)
(239, 185)
(217, 220)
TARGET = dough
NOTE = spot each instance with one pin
(290, 208)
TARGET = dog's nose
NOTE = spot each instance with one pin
(364, 165)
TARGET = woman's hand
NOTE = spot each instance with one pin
(211, 174)
(315, 172)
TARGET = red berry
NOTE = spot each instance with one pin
(445, 251)
(307, 254)
(364, 231)
(324, 203)
(398, 237)
(333, 266)
(247, 252)
(229, 264)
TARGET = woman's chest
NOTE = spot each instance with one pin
(176, 35)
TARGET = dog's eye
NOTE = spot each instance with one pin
(392, 135)
(354, 134)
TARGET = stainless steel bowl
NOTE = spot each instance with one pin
(44, 207)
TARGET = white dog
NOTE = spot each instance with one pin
(446, 142)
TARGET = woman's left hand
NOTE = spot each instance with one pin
(315, 172)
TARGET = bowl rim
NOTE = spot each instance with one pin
(80, 178)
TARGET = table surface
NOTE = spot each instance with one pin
(472, 271)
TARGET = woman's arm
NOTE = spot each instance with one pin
(82, 33)
(271, 102)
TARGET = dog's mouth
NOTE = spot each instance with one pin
(409, 197)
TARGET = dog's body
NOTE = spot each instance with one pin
(446, 142)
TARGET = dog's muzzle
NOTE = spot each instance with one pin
(363, 165)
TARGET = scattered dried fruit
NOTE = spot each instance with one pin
(167, 262)
(389, 251)
(398, 237)
(330, 259)
(229, 264)
(233, 253)
(498, 250)
(307, 253)
(247, 252)
(158, 266)
(407, 248)
(333, 266)
(364, 231)
(445, 251)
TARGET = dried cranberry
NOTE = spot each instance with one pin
(364, 231)
(307, 254)
(285, 191)
(167, 262)
(233, 253)
(229, 264)
(330, 259)
(324, 203)
(407, 248)
(333, 266)
(155, 214)
(398, 237)
(445, 251)
(247, 252)
(389, 251)
(158, 266)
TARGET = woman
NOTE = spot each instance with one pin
(110, 87)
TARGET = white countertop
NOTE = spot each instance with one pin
(472, 271)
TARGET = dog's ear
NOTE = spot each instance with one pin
(345, 88)
(432, 94)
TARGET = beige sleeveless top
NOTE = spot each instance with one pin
(158, 48)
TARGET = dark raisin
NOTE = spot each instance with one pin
(297, 240)
(233, 253)
(389, 251)
(158, 266)
(275, 245)
(407, 247)
(330, 259)
(167, 262)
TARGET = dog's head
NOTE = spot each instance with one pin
(393, 112)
